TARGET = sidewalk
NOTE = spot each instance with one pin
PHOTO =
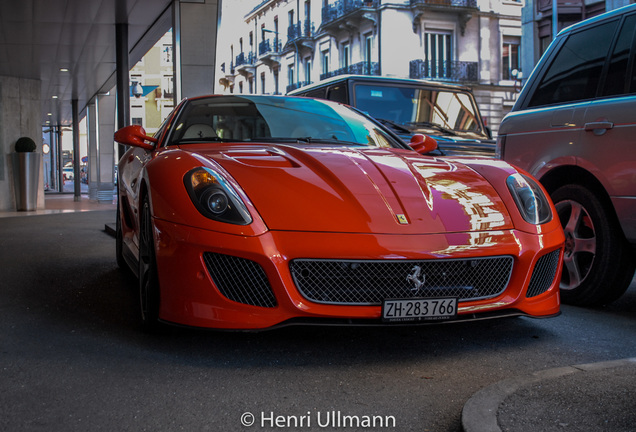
(63, 203)
(587, 398)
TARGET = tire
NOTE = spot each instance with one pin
(149, 294)
(598, 264)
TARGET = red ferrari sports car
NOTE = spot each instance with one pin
(250, 212)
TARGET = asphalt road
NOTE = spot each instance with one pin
(72, 357)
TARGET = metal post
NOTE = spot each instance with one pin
(123, 89)
(176, 51)
(60, 159)
(555, 18)
(76, 152)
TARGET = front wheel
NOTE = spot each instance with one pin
(598, 263)
(149, 294)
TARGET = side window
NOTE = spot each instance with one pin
(575, 71)
(338, 93)
(617, 72)
(318, 93)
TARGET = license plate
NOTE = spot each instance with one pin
(419, 309)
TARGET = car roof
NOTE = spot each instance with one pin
(376, 78)
(591, 21)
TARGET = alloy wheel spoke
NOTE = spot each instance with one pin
(574, 272)
(573, 222)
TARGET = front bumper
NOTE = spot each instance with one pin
(190, 297)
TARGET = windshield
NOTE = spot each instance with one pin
(444, 111)
(276, 119)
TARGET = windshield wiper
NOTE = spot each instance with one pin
(434, 126)
(394, 125)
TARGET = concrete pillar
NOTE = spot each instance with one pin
(77, 182)
(93, 155)
(20, 113)
(195, 25)
(122, 79)
(105, 113)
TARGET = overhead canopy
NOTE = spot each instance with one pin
(41, 39)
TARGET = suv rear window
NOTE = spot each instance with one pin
(615, 82)
(576, 70)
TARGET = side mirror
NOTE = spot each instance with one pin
(423, 143)
(135, 135)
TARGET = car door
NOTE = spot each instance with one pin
(552, 119)
(607, 147)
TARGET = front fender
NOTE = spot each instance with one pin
(164, 180)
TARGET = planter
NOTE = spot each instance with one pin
(26, 176)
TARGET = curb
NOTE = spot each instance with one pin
(480, 411)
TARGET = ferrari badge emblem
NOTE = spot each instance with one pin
(418, 278)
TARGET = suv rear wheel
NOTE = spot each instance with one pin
(598, 262)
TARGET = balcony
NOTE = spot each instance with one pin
(445, 4)
(463, 8)
(565, 7)
(245, 64)
(348, 13)
(452, 71)
(269, 52)
(362, 68)
(300, 35)
(297, 85)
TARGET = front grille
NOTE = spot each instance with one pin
(240, 279)
(370, 282)
(544, 272)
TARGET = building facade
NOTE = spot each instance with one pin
(152, 86)
(275, 46)
(541, 23)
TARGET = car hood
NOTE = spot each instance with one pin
(361, 190)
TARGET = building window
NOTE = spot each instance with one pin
(368, 49)
(262, 82)
(166, 55)
(137, 121)
(290, 74)
(510, 59)
(439, 54)
(167, 86)
(346, 55)
(324, 58)
(276, 89)
(308, 70)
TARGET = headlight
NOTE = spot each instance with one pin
(531, 201)
(215, 198)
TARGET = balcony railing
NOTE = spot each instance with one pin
(454, 71)
(362, 68)
(245, 60)
(300, 30)
(268, 46)
(341, 8)
(451, 3)
(297, 85)
(563, 5)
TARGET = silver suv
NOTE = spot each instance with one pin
(574, 128)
